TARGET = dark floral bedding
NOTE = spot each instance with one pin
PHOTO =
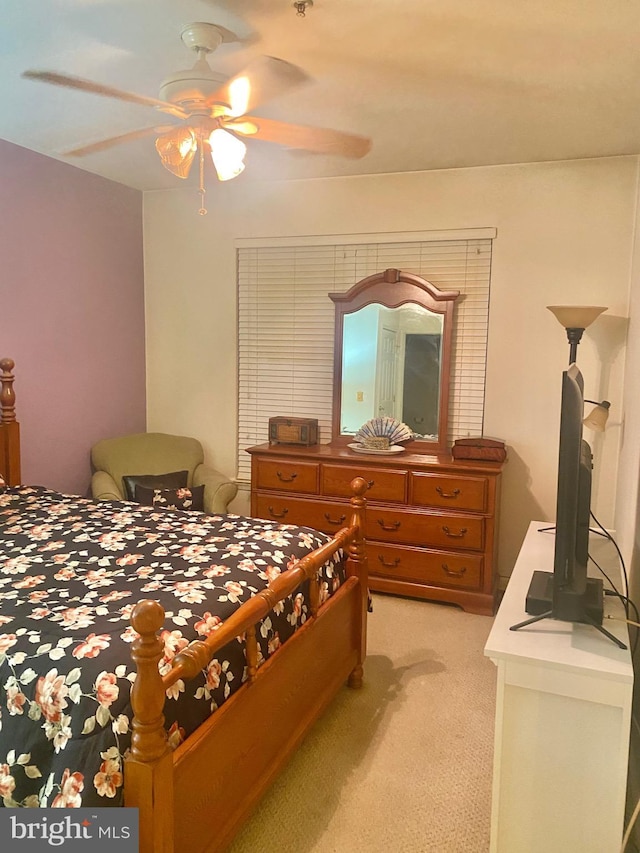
(71, 571)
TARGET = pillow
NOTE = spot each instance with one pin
(173, 480)
(191, 499)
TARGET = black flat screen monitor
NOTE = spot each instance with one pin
(568, 593)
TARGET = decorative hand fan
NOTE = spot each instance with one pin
(382, 433)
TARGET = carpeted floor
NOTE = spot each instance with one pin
(404, 764)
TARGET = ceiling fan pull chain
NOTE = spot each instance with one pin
(203, 209)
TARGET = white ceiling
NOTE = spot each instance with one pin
(435, 83)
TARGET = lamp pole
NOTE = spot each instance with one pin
(574, 335)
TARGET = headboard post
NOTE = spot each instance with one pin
(9, 427)
(7, 394)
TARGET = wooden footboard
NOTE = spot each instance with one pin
(196, 797)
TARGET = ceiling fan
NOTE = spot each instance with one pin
(214, 112)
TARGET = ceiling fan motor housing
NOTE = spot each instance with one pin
(194, 85)
(191, 87)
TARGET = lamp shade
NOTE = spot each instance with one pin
(177, 150)
(597, 418)
(227, 153)
(576, 316)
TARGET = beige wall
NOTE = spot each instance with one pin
(565, 233)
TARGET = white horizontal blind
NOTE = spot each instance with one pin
(286, 327)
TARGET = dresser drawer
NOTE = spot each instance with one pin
(385, 484)
(321, 515)
(421, 566)
(414, 528)
(449, 491)
(288, 475)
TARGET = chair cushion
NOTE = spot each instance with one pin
(172, 480)
(191, 499)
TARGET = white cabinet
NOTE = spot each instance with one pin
(563, 716)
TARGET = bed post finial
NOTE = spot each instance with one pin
(148, 740)
(7, 394)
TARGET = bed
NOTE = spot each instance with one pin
(100, 672)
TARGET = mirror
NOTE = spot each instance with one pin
(392, 356)
(391, 366)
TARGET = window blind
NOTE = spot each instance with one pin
(286, 326)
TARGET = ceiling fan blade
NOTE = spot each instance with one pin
(319, 140)
(100, 89)
(94, 147)
(264, 78)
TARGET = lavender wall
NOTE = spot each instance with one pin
(71, 312)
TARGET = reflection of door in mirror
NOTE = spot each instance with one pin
(386, 392)
(421, 386)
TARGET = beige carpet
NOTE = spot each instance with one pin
(403, 765)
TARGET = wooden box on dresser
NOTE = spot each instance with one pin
(431, 521)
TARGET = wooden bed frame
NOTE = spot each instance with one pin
(196, 797)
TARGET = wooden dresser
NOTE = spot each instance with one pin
(431, 520)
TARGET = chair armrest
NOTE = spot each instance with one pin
(104, 488)
(219, 490)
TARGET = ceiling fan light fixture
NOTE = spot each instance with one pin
(177, 150)
(227, 153)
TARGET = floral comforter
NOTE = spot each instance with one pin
(71, 572)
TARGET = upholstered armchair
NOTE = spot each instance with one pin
(156, 453)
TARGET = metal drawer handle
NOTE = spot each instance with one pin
(392, 565)
(463, 531)
(278, 514)
(451, 573)
(443, 494)
(370, 484)
(335, 520)
(394, 526)
(284, 479)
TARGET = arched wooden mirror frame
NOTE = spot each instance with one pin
(393, 288)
